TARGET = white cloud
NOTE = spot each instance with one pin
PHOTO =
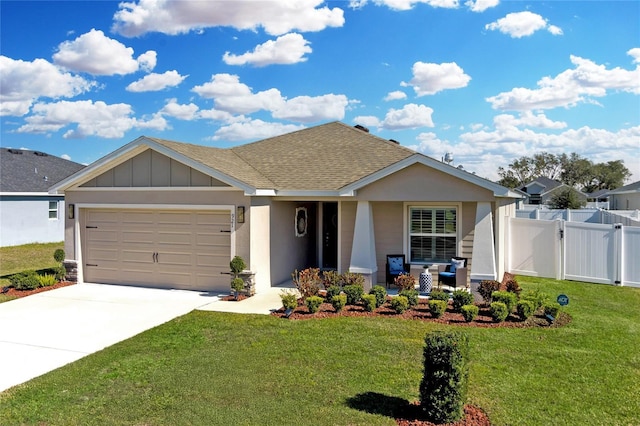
(253, 129)
(521, 24)
(22, 82)
(367, 121)
(411, 116)
(635, 54)
(176, 17)
(232, 96)
(97, 54)
(408, 4)
(90, 119)
(570, 87)
(395, 95)
(287, 49)
(481, 5)
(307, 109)
(182, 112)
(527, 119)
(154, 82)
(429, 79)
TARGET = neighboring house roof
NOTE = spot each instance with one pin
(627, 189)
(329, 159)
(543, 182)
(26, 171)
(600, 193)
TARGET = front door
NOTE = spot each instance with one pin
(330, 235)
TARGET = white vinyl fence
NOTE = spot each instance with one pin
(598, 253)
(625, 217)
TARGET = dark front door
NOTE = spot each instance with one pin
(330, 235)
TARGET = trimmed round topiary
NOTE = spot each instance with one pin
(354, 293)
(469, 312)
(399, 304)
(237, 265)
(380, 293)
(289, 299)
(437, 308)
(58, 255)
(506, 297)
(461, 298)
(313, 303)
(411, 295)
(370, 302)
(499, 311)
(525, 309)
(339, 302)
(439, 295)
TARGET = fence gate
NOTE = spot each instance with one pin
(589, 252)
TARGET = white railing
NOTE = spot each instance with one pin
(599, 253)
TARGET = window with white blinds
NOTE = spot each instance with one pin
(433, 236)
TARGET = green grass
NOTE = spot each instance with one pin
(220, 369)
(28, 256)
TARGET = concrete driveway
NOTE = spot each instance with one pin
(42, 332)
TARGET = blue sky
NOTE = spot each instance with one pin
(486, 80)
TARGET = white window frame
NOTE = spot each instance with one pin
(56, 209)
(407, 227)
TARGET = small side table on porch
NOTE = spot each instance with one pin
(426, 281)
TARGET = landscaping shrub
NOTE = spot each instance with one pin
(333, 290)
(370, 302)
(47, 280)
(339, 302)
(439, 295)
(354, 293)
(405, 282)
(509, 299)
(237, 284)
(27, 280)
(461, 298)
(313, 303)
(552, 309)
(237, 265)
(512, 286)
(58, 255)
(537, 297)
(437, 308)
(525, 309)
(331, 279)
(60, 272)
(443, 389)
(350, 278)
(380, 293)
(399, 304)
(486, 289)
(289, 299)
(469, 312)
(307, 281)
(411, 295)
(499, 311)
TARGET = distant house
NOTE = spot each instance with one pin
(540, 190)
(626, 197)
(28, 213)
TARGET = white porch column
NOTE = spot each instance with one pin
(483, 265)
(363, 250)
(259, 245)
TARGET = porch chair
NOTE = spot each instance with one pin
(453, 274)
(396, 266)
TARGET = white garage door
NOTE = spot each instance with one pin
(158, 248)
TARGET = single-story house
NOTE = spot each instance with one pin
(28, 213)
(542, 189)
(625, 198)
(167, 214)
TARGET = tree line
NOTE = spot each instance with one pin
(573, 170)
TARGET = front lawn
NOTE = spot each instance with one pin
(220, 369)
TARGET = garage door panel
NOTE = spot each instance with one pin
(190, 250)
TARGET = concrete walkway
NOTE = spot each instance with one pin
(45, 331)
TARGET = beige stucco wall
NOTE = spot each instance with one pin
(625, 201)
(418, 182)
(388, 228)
(289, 252)
(155, 198)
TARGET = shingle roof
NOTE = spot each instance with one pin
(22, 170)
(322, 158)
(632, 187)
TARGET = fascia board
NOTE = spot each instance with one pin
(498, 190)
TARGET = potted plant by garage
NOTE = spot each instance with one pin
(237, 265)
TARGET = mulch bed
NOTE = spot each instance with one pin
(473, 416)
(23, 293)
(421, 312)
